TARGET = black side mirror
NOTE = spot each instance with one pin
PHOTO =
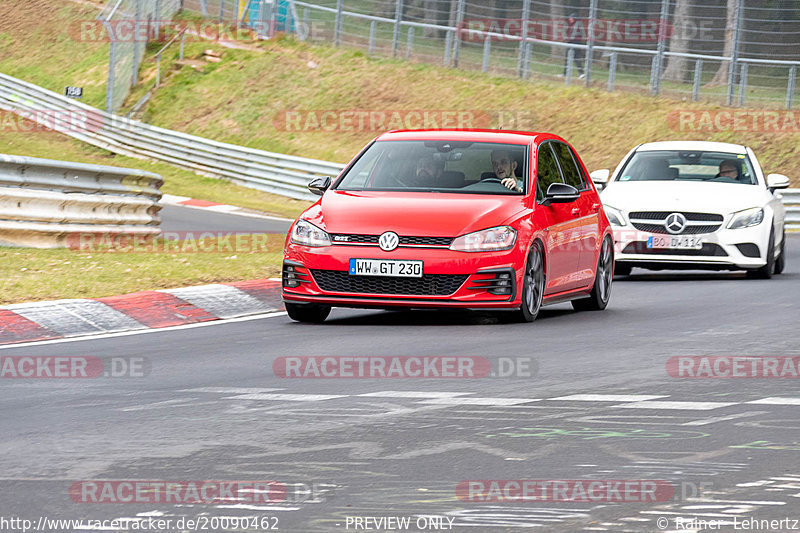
(560, 193)
(319, 185)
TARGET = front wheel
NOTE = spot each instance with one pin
(780, 262)
(312, 313)
(532, 286)
(601, 292)
(766, 271)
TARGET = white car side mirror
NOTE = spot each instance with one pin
(600, 177)
(777, 181)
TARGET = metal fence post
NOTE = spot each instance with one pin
(158, 18)
(654, 73)
(337, 25)
(790, 87)
(204, 7)
(735, 54)
(307, 24)
(457, 36)
(112, 59)
(409, 41)
(448, 43)
(523, 43)
(372, 27)
(742, 84)
(398, 17)
(587, 65)
(158, 70)
(698, 75)
(655, 80)
(487, 49)
(570, 59)
(221, 10)
(612, 71)
(236, 11)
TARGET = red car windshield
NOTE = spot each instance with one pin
(440, 166)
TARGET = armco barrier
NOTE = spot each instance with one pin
(791, 200)
(276, 173)
(44, 202)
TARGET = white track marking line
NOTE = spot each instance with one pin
(143, 331)
(776, 400)
(233, 213)
(413, 394)
(288, 397)
(714, 420)
(478, 401)
(692, 406)
(230, 390)
(607, 397)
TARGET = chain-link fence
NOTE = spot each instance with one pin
(718, 50)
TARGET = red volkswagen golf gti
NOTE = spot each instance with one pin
(485, 219)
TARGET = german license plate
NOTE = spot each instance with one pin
(675, 241)
(386, 267)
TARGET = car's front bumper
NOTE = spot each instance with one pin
(724, 249)
(450, 279)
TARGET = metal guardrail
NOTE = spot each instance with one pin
(791, 201)
(275, 173)
(43, 203)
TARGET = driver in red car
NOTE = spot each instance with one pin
(504, 167)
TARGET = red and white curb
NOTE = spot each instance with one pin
(57, 319)
(192, 203)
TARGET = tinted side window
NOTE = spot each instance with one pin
(572, 175)
(546, 169)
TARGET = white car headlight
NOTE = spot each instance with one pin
(487, 240)
(747, 218)
(308, 234)
(614, 215)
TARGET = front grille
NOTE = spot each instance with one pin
(688, 230)
(708, 249)
(662, 215)
(427, 285)
(405, 240)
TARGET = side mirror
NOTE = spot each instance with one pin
(777, 181)
(600, 178)
(319, 185)
(560, 193)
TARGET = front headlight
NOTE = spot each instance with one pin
(308, 234)
(747, 218)
(614, 216)
(487, 240)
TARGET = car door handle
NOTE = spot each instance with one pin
(575, 211)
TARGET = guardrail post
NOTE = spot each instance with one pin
(570, 59)
(158, 70)
(698, 76)
(654, 73)
(409, 41)
(790, 87)
(735, 55)
(655, 79)
(398, 17)
(337, 27)
(448, 42)
(612, 71)
(742, 84)
(523, 43)
(372, 27)
(487, 49)
(587, 65)
(457, 36)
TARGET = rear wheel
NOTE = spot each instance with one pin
(307, 312)
(768, 269)
(780, 262)
(601, 292)
(532, 286)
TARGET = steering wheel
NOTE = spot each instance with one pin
(491, 180)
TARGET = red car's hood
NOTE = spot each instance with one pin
(428, 214)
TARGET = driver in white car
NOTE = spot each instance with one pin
(730, 169)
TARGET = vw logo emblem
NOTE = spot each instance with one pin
(388, 241)
(675, 223)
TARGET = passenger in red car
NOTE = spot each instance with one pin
(428, 171)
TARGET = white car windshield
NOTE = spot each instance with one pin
(679, 165)
(439, 166)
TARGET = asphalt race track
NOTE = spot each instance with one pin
(212, 408)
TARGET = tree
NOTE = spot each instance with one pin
(557, 15)
(679, 41)
(721, 77)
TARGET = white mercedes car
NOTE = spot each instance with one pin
(694, 205)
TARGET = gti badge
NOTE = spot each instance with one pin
(388, 241)
(675, 223)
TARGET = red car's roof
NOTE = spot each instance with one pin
(501, 136)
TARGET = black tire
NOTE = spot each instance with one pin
(312, 313)
(766, 271)
(622, 269)
(601, 291)
(780, 261)
(533, 285)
